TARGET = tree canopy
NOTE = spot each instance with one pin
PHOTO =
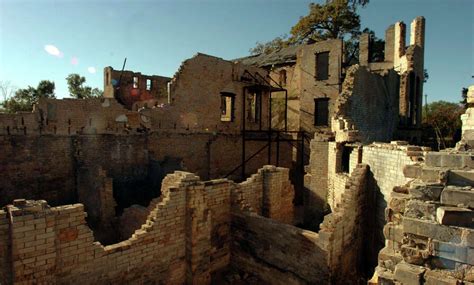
(24, 99)
(443, 117)
(336, 19)
(78, 90)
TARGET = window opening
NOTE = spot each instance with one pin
(227, 107)
(321, 111)
(322, 66)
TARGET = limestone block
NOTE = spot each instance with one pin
(409, 274)
(461, 177)
(454, 216)
(412, 171)
(421, 210)
(439, 278)
(450, 251)
(454, 196)
(432, 230)
(429, 192)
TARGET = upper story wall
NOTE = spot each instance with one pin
(70, 117)
(211, 93)
(129, 87)
(407, 61)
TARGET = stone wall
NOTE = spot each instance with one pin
(185, 238)
(429, 231)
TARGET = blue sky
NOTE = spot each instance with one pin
(156, 36)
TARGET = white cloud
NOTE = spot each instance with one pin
(91, 69)
(52, 50)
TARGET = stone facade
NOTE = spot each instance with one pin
(430, 223)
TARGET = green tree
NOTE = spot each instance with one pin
(24, 99)
(443, 118)
(78, 90)
(336, 19)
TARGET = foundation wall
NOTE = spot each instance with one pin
(53, 162)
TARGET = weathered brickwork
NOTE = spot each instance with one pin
(387, 162)
(185, 237)
(282, 254)
(53, 162)
(346, 233)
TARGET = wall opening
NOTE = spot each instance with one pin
(322, 66)
(254, 100)
(282, 78)
(227, 107)
(148, 84)
(135, 82)
(321, 111)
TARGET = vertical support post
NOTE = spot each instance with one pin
(278, 149)
(286, 110)
(270, 126)
(243, 132)
(302, 150)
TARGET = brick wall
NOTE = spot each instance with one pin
(53, 161)
(345, 233)
(281, 254)
(373, 111)
(185, 237)
(37, 167)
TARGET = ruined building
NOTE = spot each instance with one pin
(169, 180)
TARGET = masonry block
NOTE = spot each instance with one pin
(421, 210)
(432, 230)
(461, 177)
(454, 216)
(454, 196)
(409, 274)
(440, 278)
(426, 192)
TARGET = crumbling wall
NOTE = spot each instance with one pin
(5, 261)
(346, 233)
(282, 254)
(195, 96)
(429, 231)
(70, 117)
(387, 162)
(367, 114)
(130, 87)
(185, 238)
(339, 170)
